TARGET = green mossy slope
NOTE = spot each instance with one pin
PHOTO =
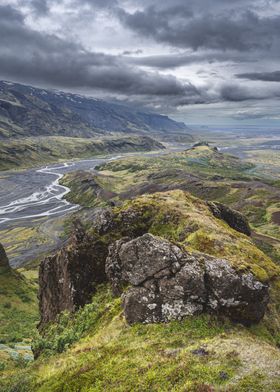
(27, 152)
(112, 356)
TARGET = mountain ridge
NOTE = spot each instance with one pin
(31, 111)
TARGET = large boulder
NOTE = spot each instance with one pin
(166, 283)
(68, 279)
(233, 218)
(4, 261)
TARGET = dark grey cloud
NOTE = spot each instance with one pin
(40, 6)
(182, 27)
(175, 60)
(132, 52)
(262, 76)
(36, 57)
(73, 45)
(235, 92)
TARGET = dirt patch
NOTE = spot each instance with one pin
(276, 217)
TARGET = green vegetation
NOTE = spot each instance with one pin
(18, 306)
(202, 171)
(86, 189)
(198, 354)
(95, 350)
(27, 152)
(181, 217)
(19, 316)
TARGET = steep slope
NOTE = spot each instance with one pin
(29, 111)
(18, 303)
(95, 349)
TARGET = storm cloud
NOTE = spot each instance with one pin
(263, 76)
(168, 56)
(38, 57)
(179, 26)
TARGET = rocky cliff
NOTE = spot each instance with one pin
(4, 262)
(190, 262)
(68, 279)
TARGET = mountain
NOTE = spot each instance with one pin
(29, 111)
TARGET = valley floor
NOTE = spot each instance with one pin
(95, 349)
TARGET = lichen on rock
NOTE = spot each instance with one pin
(168, 283)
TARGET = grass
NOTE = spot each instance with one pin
(180, 217)
(110, 355)
(95, 350)
(18, 307)
(28, 152)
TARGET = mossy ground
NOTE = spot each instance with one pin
(181, 217)
(204, 172)
(19, 315)
(110, 355)
(27, 152)
(95, 350)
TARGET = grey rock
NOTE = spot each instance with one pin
(169, 284)
(141, 305)
(102, 220)
(239, 296)
(139, 259)
(233, 218)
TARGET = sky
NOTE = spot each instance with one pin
(199, 61)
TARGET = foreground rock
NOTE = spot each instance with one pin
(4, 262)
(67, 280)
(169, 283)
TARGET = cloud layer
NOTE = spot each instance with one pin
(167, 56)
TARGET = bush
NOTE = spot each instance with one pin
(69, 328)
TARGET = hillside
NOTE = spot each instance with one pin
(203, 171)
(99, 347)
(18, 313)
(28, 111)
(28, 152)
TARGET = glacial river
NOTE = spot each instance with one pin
(37, 193)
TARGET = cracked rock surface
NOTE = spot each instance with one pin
(166, 283)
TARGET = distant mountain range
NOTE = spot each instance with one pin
(28, 111)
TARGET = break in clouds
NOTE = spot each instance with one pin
(176, 56)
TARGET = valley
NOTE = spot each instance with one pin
(139, 196)
(74, 207)
(155, 191)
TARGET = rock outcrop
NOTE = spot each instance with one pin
(166, 283)
(233, 218)
(164, 280)
(68, 279)
(4, 261)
